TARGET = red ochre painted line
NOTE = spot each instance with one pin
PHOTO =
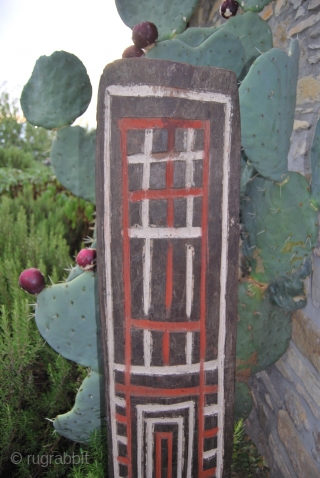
(209, 473)
(164, 194)
(169, 326)
(145, 123)
(159, 437)
(204, 245)
(210, 433)
(123, 460)
(140, 391)
(166, 347)
(127, 291)
(169, 276)
(121, 418)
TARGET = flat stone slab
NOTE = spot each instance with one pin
(167, 174)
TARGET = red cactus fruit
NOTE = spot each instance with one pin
(86, 259)
(132, 52)
(228, 8)
(144, 34)
(32, 281)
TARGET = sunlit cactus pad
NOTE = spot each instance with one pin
(169, 16)
(58, 91)
(263, 330)
(86, 415)
(221, 49)
(253, 5)
(67, 317)
(267, 104)
(73, 159)
(280, 226)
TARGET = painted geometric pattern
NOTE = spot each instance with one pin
(165, 393)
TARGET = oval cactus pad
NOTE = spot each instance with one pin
(73, 159)
(169, 16)
(266, 128)
(58, 91)
(281, 226)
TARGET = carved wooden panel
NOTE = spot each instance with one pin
(167, 201)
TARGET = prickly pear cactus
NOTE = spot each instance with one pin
(278, 210)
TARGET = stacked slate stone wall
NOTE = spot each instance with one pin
(285, 420)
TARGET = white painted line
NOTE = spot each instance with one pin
(165, 232)
(168, 370)
(147, 348)
(120, 402)
(176, 156)
(189, 340)
(122, 439)
(211, 410)
(209, 453)
(153, 408)
(189, 280)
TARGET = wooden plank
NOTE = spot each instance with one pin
(167, 175)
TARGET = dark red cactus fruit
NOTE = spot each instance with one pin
(86, 259)
(32, 281)
(144, 34)
(132, 52)
(228, 8)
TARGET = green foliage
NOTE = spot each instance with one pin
(246, 461)
(169, 16)
(16, 133)
(58, 91)
(270, 85)
(73, 160)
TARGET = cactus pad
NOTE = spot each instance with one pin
(315, 168)
(87, 413)
(289, 292)
(253, 5)
(58, 91)
(263, 331)
(73, 159)
(270, 85)
(169, 16)
(281, 226)
(67, 317)
(243, 401)
(222, 50)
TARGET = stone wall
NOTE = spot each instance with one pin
(285, 420)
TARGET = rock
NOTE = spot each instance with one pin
(314, 59)
(296, 410)
(302, 462)
(277, 456)
(300, 125)
(308, 90)
(304, 24)
(300, 389)
(306, 336)
(313, 4)
(301, 11)
(267, 12)
(283, 369)
(314, 46)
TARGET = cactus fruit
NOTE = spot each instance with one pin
(132, 52)
(58, 91)
(144, 34)
(170, 17)
(228, 8)
(87, 414)
(280, 226)
(266, 128)
(73, 160)
(86, 259)
(32, 281)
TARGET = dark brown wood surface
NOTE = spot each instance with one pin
(167, 177)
